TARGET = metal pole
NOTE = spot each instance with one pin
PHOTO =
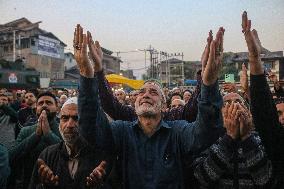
(182, 69)
(19, 46)
(14, 45)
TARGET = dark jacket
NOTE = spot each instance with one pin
(267, 124)
(56, 157)
(4, 166)
(156, 161)
(27, 149)
(234, 164)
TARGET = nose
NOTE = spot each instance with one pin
(71, 123)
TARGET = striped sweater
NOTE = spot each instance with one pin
(231, 164)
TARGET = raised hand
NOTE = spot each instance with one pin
(46, 174)
(253, 44)
(205, 54)
(96, 53)
(213, 65)
(81, 54)
(96, 177)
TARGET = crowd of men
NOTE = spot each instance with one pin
(212, 137)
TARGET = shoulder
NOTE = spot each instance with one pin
(52, 148)
(27, 130)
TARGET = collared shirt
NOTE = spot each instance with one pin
(156, 161)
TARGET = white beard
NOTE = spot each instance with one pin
(70, 139)
(148, 110)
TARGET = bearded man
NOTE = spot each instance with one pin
(72, 163)
(151, 151)
(33, 139)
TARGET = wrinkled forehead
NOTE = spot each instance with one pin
(232, 96)
(152, 85)
(70, 109)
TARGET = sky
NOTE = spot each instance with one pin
(173, 26)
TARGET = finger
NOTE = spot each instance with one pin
(255, 35)
(56, 180)
(75, 42)
(45, 172)
(84, 45)
(244, 21)
(40, 170)
(103, 164)
(78, 34)
(99, 49)
(40, 162)
(94, 177)
(212, 53)
(230, 109)
(234, 111)
(248, 26)
(226, 109)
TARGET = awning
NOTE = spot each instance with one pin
(135, 84)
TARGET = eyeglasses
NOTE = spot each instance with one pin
(65, 118)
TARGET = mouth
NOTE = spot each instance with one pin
(145, 102)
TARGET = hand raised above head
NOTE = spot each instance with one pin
(213, 64)
(253, 44)
(81, 52)
(96, 53)
(205, 54)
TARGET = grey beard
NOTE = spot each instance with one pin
(70, 139)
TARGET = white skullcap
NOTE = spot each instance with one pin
(73, 100)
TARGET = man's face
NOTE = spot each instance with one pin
(280, 110)
(62, 99)
(186, 96)
(68, 125)
(177, 103)
(30, 99)
(46, 103)
(176, 90)
(4, 100)
(133, 96)
(120, 95)
(149, 100)
(233, 97)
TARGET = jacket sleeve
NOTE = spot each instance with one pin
(256, 161)
(11, 112)
(189, 111)
(265, 117)
(4, 166)
(93, 123)
(110, 104)
(208, 127)
(51, 138)
(215, 161)
(25, 142)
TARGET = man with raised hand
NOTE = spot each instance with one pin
(262, 105)
(151, 150)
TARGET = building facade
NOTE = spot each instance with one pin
(39, 49)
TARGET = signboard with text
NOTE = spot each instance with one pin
(48, 47)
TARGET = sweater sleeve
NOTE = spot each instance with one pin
(215, 161)
(265, 117)
(110, 104)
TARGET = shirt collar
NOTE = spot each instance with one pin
(162, 124)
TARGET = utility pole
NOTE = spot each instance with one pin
(14, 45)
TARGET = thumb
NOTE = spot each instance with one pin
(40, 162)
(103, 164)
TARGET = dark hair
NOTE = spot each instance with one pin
(187, 90)
(175, 94)
(33, 91)
(47, 93)
(279, 100)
